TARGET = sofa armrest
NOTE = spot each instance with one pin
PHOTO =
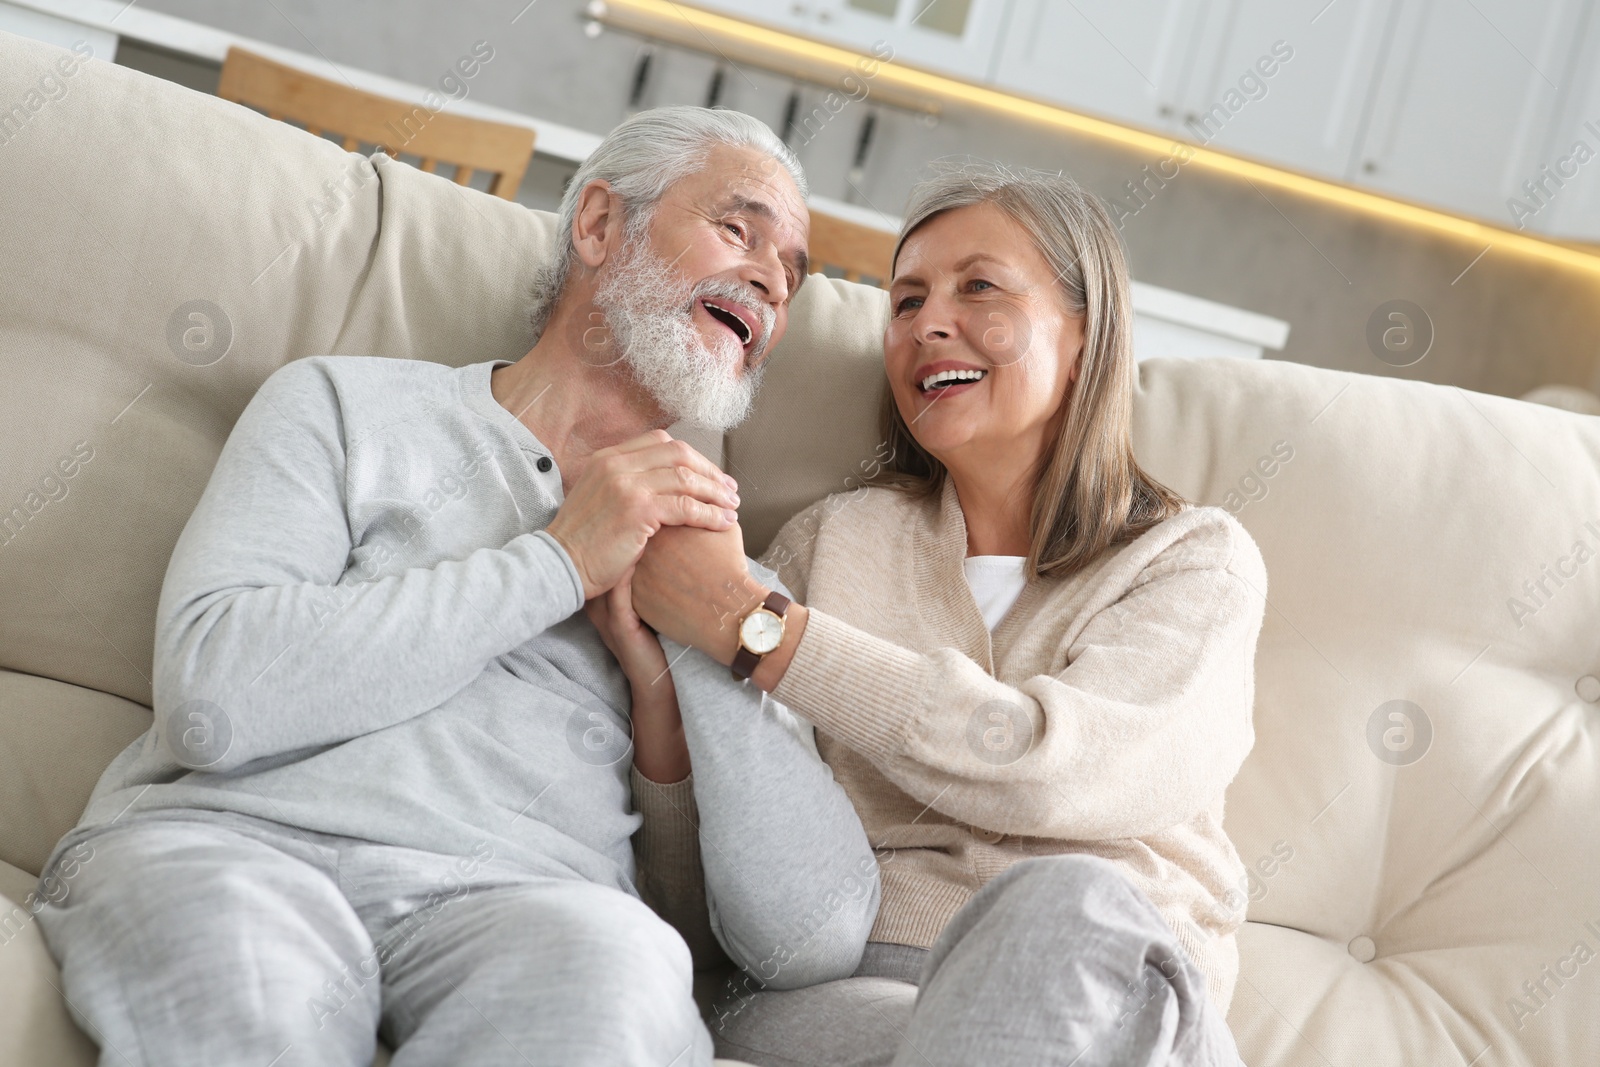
(35, 1026)
(16, 883)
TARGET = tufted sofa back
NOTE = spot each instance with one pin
(1419, 813)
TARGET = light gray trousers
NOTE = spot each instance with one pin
(1058, 961)
(219, 940)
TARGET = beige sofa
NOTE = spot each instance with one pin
(1418, 868)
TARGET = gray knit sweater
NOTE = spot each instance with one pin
(365, 631)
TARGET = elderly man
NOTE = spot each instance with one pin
(387, 790)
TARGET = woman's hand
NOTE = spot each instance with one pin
(632, 642)
(659, 749)
(694, 586)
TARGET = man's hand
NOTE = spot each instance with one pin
(694, 587)
(630, 491)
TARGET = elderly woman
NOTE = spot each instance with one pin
(1029, 664)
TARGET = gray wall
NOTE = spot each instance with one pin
(1510, 324)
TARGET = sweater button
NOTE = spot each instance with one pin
(990, 837)
(544, 464)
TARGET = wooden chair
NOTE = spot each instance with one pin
(859, 251)
(286, 92)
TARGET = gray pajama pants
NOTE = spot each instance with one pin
(218, 940)
(1059, 961)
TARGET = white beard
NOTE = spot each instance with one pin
(647, 310)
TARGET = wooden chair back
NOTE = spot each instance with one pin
(861, 252)
(471, 145)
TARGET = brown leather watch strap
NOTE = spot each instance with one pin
(745, 661)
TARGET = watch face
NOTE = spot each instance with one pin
(761, 631)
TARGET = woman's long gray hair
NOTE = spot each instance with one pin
(640, 160)
(1089, 491)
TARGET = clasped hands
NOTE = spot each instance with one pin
(651, 527)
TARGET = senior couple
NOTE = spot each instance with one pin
(491, 778)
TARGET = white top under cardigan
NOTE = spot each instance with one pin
(996, 582)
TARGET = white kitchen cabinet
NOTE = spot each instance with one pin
(1568, 205)
(1448, 103)
(955, 37)
(1288, 83)
(1127, 60)
(1466, 99)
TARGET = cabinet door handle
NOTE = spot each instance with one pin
(791, 109)
(641, 77)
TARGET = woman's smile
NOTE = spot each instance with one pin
(947, 377)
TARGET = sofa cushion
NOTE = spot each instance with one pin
(15, 885)
(1425, 766)
(37, 1027)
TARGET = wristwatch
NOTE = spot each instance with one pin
(760, 632)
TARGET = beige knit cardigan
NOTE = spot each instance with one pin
(1105, 715)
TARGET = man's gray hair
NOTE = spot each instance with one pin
(640, 160)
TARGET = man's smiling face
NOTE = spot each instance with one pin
(740, 221)
(694, 303)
